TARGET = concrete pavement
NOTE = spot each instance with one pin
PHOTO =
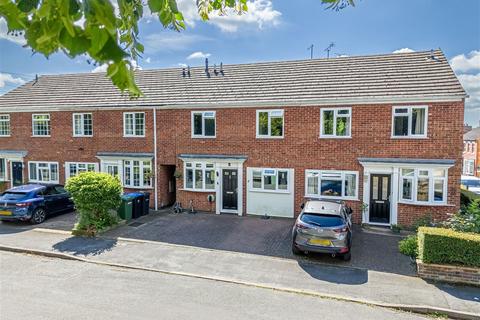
(256, 270)
(46, 288)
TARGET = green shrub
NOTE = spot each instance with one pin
(466, 197)
(446, 246)
(409, 246)
(467, 219)
(424, 221)
(96, 197)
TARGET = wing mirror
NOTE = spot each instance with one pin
(349, 211)
(302, 206)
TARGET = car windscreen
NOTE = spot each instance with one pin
(12, 195)
(322, 220)
(471, 183)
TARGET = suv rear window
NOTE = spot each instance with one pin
(322, 220)
(12, 195)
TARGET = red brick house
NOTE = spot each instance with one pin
(384, 133)
(471, 153)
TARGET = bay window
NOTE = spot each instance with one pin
(74, 168)
(199, 176)
(335, 123)
(137, 174)
(43, 171)
(423, 186)
(331, 184)
(409, 121)
(272, 180)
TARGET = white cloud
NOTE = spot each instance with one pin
(466, 63)
(471, 84)
(20, 39)
(148, 60)
(182, 65)
(171, 41)
(198, 55)
(404, 50)
(260, 14)
(104, 67)
(6, 78)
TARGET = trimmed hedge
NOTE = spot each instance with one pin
(445, 246)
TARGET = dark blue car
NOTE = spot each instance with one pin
(34, 202)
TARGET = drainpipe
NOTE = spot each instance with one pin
(155, 156)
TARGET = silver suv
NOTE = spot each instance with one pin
(323, 226)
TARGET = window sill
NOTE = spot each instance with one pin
(198, 190)
(46, 136)
(269, 191)
(5, 136)
(78, 136)
(140, 188)
(331, 198)
(335, 137)
(43, 182)
(204, 137)
(267, 137)
(408, 137)
(134, 136)
(426, 204)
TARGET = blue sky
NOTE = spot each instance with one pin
(282, 30)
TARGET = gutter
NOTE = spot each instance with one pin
(155, 157)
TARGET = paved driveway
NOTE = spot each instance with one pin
(270, 237)
(63, 221)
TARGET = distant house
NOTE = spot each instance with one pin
(466, 128)
(471, 153)
(382, 133)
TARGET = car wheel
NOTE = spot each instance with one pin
(347, 256)
(295, 250)
(38, 216)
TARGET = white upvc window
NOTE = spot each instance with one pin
(112, 168)
(137, 173)
(74, 168)
(469, 167)
(134, 124)
(423, 186)
(4, 125)
(270, 124)
(3, 169)
(41, 125)
(409, 122)
(203, 124)
(335, 122)
(199, 176)
(270, 180)
(331, 184)
(82, 125)
(39, 171)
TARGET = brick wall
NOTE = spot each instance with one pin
(449, 273)
(471, 151)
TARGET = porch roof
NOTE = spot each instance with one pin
(407, 161)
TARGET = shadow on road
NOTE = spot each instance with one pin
(459, 291)
(345, 275)
(85, 246)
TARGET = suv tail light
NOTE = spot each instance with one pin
(341, 230)
(24, 204)
(302, 225)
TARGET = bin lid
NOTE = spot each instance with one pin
(128, 196)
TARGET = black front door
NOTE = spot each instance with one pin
(229, 186)
(17, 173)
(380, 198)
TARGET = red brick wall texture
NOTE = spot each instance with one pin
(300, 149)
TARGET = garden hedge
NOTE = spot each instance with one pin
(467, 196)
(446, 246)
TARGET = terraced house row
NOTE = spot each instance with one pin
(383, 133)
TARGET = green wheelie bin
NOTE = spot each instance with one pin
(126, 207)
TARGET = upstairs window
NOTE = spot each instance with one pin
(270, 124)
(82, 125)
(41, 125)
(4, 125)
(134, 124)
(43, 171)
(335, 123)
(409, 122)
(203, 124)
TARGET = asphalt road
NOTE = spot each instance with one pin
(33, 287)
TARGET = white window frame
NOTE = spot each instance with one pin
(342, 178)
(142, 168)
(77, 164)
(33, 125)
(469, 164)
(205, 115)
(4, 177)
(82, 120)
(269, 134)
(271, 172)
(204, 168)
(431, 186)
(409, 115)
(335, 116)
(49, 165)
(134, 125)
(5, 118)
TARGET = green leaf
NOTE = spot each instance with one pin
(27, 5)
(111, 52)
(74, 45)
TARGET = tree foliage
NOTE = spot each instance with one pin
(96, 197)
(105, 33)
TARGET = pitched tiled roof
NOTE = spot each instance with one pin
(401, 77)
(473, 134)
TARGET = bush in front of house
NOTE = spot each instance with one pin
(467, 197)
(96, 197)
(409, 246)
(446, 246)
(467, 219)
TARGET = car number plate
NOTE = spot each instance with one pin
(5, 213)
(320, 242)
